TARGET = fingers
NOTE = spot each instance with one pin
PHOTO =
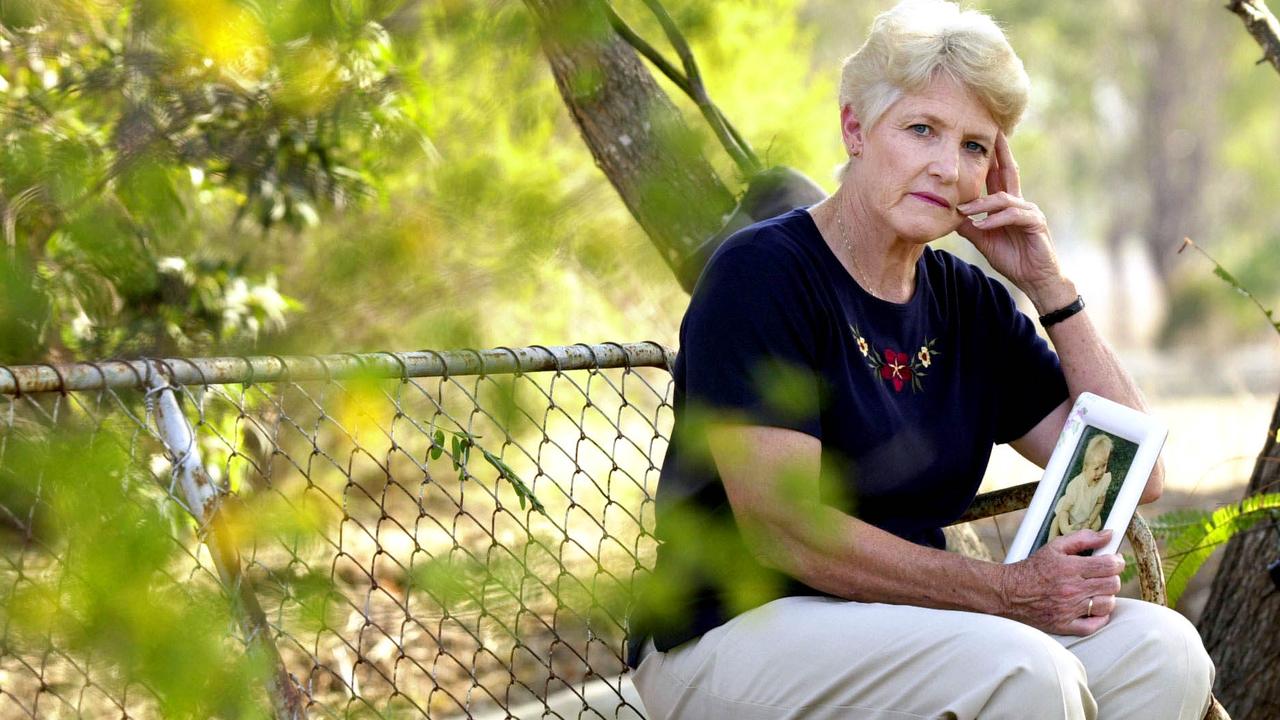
(994, 202)
(995, 181)
(1081, 540)
(1008, 166)
(1085, 625)
(1102, 605)
(1102, 586)
(1101, 566)
(1010, 216)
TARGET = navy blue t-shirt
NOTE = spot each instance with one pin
(907, 400)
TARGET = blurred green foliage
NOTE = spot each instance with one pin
(134, 129)
(111, 595)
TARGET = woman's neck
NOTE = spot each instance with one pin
(880, 262)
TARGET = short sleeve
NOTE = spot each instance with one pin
(750, 340)
(1024, 370)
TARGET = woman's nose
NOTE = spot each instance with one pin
(946, 166)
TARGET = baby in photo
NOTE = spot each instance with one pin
(1081, 504)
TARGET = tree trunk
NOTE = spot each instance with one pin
(1241, 621)
(636, 135)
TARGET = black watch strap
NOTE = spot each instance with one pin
(1061, 314)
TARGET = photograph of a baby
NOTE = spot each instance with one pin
(1098, 468)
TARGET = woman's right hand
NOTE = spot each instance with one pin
(1050, 590)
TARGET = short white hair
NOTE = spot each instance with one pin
(915, 41)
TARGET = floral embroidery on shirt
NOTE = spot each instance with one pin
(898, 368)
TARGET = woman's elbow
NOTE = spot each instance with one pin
(786, 544)
(1155, 485)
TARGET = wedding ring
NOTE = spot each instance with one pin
(1089, 612)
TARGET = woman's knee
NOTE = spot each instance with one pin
(1176, 652)
(1162, 667)
(1049, 665)
(1030, 670)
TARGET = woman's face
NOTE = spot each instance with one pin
(929, 152)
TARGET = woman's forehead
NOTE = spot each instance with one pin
(947, 103)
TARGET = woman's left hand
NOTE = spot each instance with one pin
(1014, 237)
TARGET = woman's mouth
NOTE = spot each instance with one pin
(932, 199)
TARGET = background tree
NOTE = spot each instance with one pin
(1245, 597)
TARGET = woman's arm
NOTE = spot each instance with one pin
(1014, 237)
(771, 479)
(1090, 365)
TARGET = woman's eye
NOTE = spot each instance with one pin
(920, 129)
(975, 147)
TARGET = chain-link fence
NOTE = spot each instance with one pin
(422, 534)
(436, 534)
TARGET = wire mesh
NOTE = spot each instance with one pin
(433, 534)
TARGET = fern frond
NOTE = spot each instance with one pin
(1169, 524)
(1192, 547)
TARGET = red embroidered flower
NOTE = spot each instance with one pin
(897, 367)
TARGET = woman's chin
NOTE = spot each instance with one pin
(924, 235)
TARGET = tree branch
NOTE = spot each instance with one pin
(646, 50)
(1262, 25)
(690, 82)
(740, 147)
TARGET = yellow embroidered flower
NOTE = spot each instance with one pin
(862, 346)
(925, 358)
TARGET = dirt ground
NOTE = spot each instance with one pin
(1212, 446)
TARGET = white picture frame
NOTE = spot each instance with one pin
(1101, 438)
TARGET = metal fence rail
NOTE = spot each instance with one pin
(400, 534)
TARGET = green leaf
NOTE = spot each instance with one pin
(462, 444)
(437, 445)
(1192, 547)
(1221, 272)
(505, 472)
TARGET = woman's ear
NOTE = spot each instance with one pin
(851, 130)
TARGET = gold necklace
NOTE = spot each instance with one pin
(848, 248)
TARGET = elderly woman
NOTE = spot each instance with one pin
(901, 366)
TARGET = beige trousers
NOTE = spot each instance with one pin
(814, 657)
